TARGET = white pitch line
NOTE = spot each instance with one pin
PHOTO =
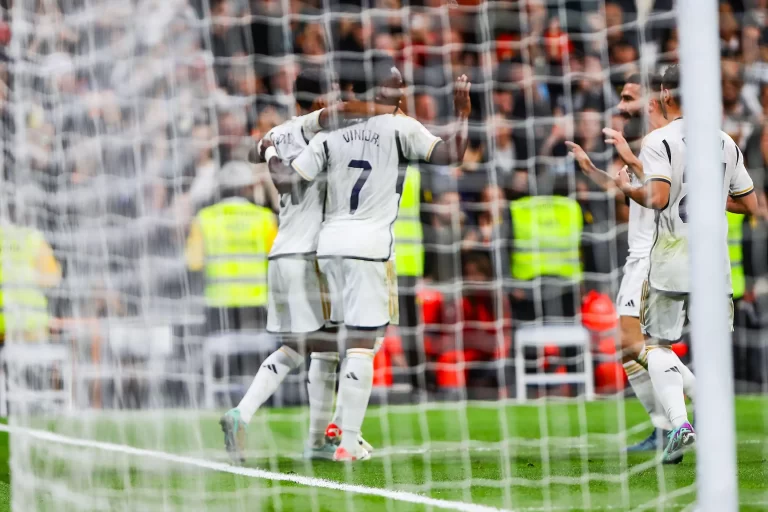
(404, 496)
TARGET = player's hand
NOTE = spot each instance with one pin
(581, 156)
(319, 102)
(622, 179)
(461, 101)
(617, 140)
(265, 143)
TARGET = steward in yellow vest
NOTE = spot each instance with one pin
(546, 238)
(409, 236)
(229, 241)
(27, 266)
(735, 253)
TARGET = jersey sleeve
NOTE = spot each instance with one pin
(310, 125)
(416, 141)
(656, 160)
(741, 183)
(313, 159)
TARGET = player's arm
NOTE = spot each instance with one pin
(654, 192)
(741, 191)
(256, 154)
(310, 162)
(451, 151)
(617, 140)
(599, 176)
(330, 118)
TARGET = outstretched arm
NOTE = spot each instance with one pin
(451, 151)
(600, 177)
(617, 140)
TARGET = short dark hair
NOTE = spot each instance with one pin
(634, 78)
(654, 80)
(365, 76)
(311, 83)
(671, 81)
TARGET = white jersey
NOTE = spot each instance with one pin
(300, 217)
(641, 229)
(663, 158)
(366, 163)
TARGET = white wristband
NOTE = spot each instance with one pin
(269, 153)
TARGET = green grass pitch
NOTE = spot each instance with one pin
(557, 456)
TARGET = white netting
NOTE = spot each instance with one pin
(117, 117)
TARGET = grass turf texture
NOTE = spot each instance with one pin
(555, 454)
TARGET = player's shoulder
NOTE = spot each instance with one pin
(401, 120)
(284, 127)
(728, 142)
(656, 139)
(731, 151)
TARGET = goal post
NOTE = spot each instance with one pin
(712, 355)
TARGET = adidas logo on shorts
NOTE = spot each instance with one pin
(630, 304)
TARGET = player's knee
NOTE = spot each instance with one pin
(632, 340)
(359, 338)
(324, 340)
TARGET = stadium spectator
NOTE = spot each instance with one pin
(736, 114)
(486, 333)
(442, 239)
(231, 231)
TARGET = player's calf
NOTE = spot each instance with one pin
(355, 391)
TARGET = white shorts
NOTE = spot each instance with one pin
(363, 293)
(297, 299)
(663, 315)
(635, 274)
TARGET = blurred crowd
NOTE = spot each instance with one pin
(117, 116)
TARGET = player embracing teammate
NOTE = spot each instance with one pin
(362, 167)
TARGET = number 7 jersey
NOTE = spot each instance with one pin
(664, 158)
(366, 163)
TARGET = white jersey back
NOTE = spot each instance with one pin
(641, 229)
(366, 163)
(300, 216)
(663, 158)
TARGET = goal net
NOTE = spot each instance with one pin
(503, 385)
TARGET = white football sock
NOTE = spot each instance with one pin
(354, 393)
(689, 382)
(664, 367)
(643, 388)
(272, 372)
(336, 420)
(321, 385)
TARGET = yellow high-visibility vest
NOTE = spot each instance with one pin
(236, 248)
(22, 302)
(735, 253)
(409, 236)
(547, 234)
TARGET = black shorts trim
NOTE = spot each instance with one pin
(379, 260)
(361, 328)
(297, 255)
